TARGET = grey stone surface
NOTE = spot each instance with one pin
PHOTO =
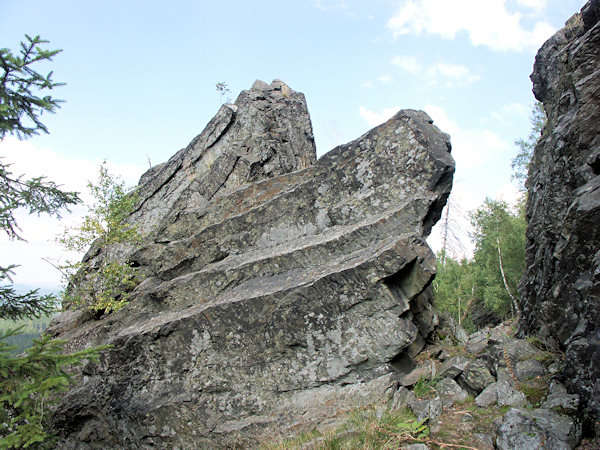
(416, 447)
(538, 429)
(561, 286)
(400, 398)
(511, 352)
(426, 408)
(448, 328)
(528, 369)
(487, 397)
(478, 341)
(508, 395)
(453, 367)
(450, 392)
(476, 376)
(425, 370)
(558, 397)
(272, 295)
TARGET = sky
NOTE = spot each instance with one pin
(140, 84)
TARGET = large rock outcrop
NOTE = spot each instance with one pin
(561, 287)
(277, 291)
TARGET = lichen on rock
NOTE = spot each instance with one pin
(561, 286)
(277, 288)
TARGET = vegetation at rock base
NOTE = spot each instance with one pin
(29, 381)
(104, 288)
(368, 427)
(483, 290)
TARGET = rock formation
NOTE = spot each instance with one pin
(278, 290)
(561, 286)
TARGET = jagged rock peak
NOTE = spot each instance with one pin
(268, 297)
(266, 132)
(561, 286)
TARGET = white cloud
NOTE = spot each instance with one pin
(452, 73)
(536, 5)
(407, 63)
(470, 146)
(487, 23)
(509, 193)
(375, 118)
(510, 110)
(40, 231)
(387, 78)
(367, 84)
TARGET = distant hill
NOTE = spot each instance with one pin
(32, 328)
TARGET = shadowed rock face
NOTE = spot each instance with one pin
(561, 286)
(279, 298)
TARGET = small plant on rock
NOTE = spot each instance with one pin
(104, 286)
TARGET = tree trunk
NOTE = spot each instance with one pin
(514, 300)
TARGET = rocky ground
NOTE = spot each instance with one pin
(481, 391)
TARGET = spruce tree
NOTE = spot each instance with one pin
(28, 382)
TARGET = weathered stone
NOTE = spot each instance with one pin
(454, 366)
(528, 369)
(508, 354)
(476, 376)
(424, 370)
(508, 395)
(450, 392)
(400, 399)
(487, 397)
(264, 301)
(478, 341)
(537, 429)
(426, 408)
(484, 441)
(561, 286)
(500, 334)
(558, 397)
(448, 328)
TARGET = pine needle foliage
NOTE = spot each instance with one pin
(30, 381)
(520, 163)
(28, 387)
(22, 89)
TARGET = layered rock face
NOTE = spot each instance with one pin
(277, 290)
(561, 287)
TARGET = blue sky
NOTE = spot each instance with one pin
(141, 81)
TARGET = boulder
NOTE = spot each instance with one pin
(476, 376)
(478, 341)
(528, 369)
(540, 428)
(277, 289)
(560, 289)
(558, 397)
(450, 392)
(487, 397)
(454, 366)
